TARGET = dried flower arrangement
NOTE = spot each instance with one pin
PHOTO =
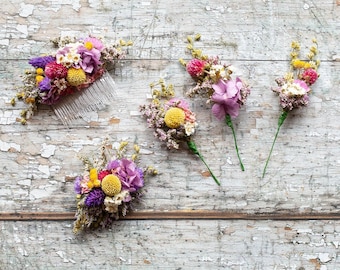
(214, 82)
(110, 186)
(172, 120)
(294, 87)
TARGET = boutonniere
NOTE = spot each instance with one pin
(295, 86)
(110, 186)
(214, 81)
(172, 120)
(73, 79)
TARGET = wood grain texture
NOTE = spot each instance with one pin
(181, 244)
(38, 161)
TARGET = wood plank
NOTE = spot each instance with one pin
(175, 215)
(159, 244)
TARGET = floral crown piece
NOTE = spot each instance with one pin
(73, 79)
(172, 120)
(294, 87)
(214, 82)
(109, 188)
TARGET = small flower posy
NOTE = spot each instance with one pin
(172, 120)
(293, 89)
(74, 66)
(213, 81)
(109, 187)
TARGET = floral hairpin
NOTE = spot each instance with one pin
(73, 79)
(293, 89)
(172, 120)
(110, 186)
(213, 81)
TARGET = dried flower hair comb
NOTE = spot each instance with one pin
(73, 80)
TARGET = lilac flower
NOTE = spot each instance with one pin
(77, 187)
(226, 98)
(95, 198)
(41, 62)
(90, 59)
(131, 176)
(112, 165)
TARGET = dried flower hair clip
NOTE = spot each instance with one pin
(110, 186)
(294, 87)
(172, 120)
(73, 79)
(214, 82)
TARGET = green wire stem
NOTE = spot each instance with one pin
(230, 124)
(280, 122)
(192, 146)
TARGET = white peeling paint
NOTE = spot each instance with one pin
(47, 150)
(26, 10)
(44, 169)
(4, 146)
(22, 29)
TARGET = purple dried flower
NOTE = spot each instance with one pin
(45, 84)
(131, 176)
(95, 198)
(41, 62)
(77, 187)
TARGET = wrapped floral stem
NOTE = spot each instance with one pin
(172, 120)
(282, 118)
(214, 82)
(230, 124)
(192, 146)
(294, 87)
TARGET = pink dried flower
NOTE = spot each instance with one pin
(310, 76)
(195, 67)
(54, 70)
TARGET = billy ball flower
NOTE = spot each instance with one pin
(111, 185)
(195, 67)
(174, 117)
(76, 76)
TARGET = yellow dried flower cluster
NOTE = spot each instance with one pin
(297, 63)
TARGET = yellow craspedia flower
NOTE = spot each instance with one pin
(174, 117)
(39, 78)
(297, 63)
(39, 71)
(111, 185)
(76, 76)
(88, 45)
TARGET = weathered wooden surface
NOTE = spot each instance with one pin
(39, 160)
(191, 244)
